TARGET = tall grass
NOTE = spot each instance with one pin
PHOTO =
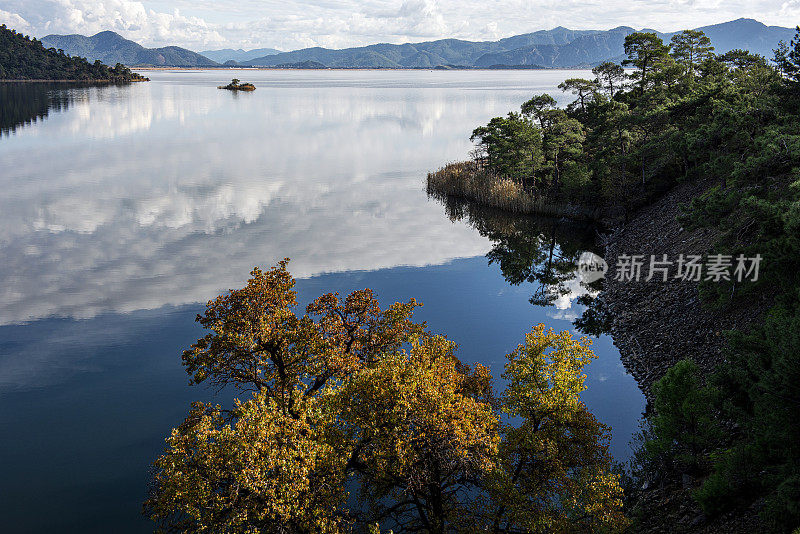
(470, 181)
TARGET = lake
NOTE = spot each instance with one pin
(126, 208)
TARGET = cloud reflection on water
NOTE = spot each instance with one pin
(166, 193)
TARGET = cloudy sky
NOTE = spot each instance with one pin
(292, 24)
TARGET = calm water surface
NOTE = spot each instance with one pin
(123, 208)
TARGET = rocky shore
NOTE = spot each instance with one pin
(655, 323)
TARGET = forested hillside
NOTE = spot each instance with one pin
(687, 114)
(23, 58)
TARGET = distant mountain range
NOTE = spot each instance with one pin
(556, 48)
(538, 48)
(229, 54)
(111, 48)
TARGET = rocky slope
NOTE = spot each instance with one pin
(656, 324)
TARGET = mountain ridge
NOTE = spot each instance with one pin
(559, 47)
(230, 54)
(556, 48)
(111, 48)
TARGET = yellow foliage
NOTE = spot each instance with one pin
(559, 450)
(261, 472)
(351, 396)
(419, 427)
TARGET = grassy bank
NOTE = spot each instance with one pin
(470, 181)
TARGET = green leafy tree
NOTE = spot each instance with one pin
(738, 59)
(538, 106)
(691, 48)
(787, 58)
(760, 393)
(563, 139)
(610, 76)
(683, 425)
(585, 90)
(513, 146)
(644, 50)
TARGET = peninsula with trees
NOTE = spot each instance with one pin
(685, 152)
(25, 59)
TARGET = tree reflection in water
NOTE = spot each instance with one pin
(542, 251)
(22, 104)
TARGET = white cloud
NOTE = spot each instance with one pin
(13, 20)
(126, 17)
(291, 24)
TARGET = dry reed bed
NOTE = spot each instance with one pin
(469, 181)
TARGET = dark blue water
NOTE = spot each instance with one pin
(124, 208)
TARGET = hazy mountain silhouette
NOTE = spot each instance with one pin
(229, 54)
(556, 48)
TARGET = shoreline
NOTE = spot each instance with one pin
(653, 324)
(485, 69)
(37, 80)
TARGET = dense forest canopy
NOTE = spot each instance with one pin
(23, 58)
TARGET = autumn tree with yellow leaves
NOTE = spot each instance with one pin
(358, 416)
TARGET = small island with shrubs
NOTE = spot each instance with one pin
(236, 86)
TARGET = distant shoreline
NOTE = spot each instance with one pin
(365, 68)
(460, 69)
(70, 81)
